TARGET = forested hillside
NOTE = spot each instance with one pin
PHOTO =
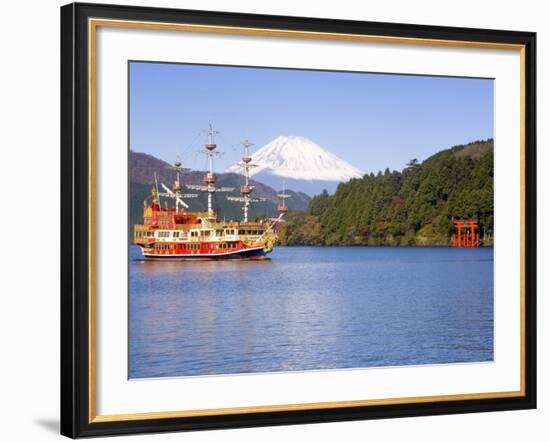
(413, 207)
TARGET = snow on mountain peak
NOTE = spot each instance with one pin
(299, 158)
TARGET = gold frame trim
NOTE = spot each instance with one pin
(93, 24)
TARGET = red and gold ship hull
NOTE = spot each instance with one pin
(202, 251)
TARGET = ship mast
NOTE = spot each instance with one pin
(246, 189)
(177, 184)
(175, 192)
(210, 179)
(282, 208)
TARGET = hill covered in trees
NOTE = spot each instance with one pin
(413, 207)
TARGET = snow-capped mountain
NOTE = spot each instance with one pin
(297, 158)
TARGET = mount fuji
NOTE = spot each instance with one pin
(302, 164)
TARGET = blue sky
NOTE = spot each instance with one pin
(373, 121)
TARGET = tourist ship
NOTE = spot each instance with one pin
(172, 233)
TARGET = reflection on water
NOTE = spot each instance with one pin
(311, 308)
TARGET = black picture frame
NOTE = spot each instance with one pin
(75, 221)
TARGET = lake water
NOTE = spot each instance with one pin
(311, 308)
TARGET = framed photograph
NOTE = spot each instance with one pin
(274, 220)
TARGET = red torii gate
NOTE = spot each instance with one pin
(468, 238)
